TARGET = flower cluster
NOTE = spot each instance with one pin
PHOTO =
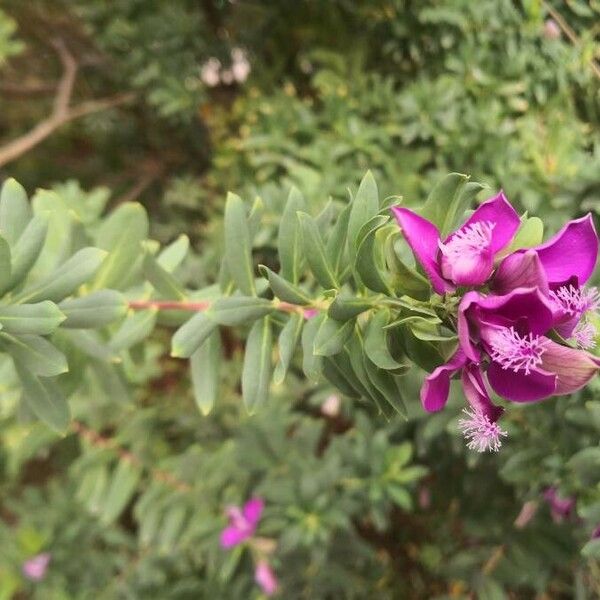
(241, 528)
(525, 319)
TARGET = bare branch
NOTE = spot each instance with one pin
(62, 111)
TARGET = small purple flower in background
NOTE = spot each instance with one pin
(560, 508)
(35, 567)
(596, 533)
(242, 522)
(551, 30)
(465, 257)
(265, 578)
(528, 511)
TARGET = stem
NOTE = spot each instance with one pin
(201, 305)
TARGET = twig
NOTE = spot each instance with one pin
(200, 306)
(570, 33)
(100, 441)
(62, 112)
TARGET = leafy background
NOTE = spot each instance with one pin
(130, 502)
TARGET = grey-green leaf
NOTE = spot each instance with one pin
(204, 365)
(192, 334)
(283, 289)
(41, 318)
(238, 249)
(164, 283)
(256, 374)
(15, 211)
(311, 363)
(364, 207)
(123, 485)
(134, 329)
(443, 196)
(332, 336)
(36, 353)
(238, 310)
(44, 399)
(314, 251)
(78, 269)
(376, 342)
(289, 239)
(346, 307)
(288, 340)
(94, 310)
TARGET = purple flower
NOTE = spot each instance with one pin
(596, 533)
(559, 268)
(265, 578)
(35, 567)
(508, 332)
(465, 257)
(242, 522)
(560, 508)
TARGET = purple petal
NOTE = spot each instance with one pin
(265, 578)
(423, 237)
(464, 329)
(477, 394)
(520, 270)
(35, 568)
(573, 251)
(434, 393)
(522, 303)
(253, 510)
(499, 211)
(574, 368)
(232, 536)
(469, 269)
(519, 387)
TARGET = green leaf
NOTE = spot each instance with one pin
(406, 280)
(26, 251)
(422, 353)
(376, 342)
(458, 207)
(44, 399)
(78, 269)
(120, 491)
(91, 344)
(332, 336)
(15, 211)
(400, 496)
(529, 235)
(188, 338)
(345, 307)
(289, 240)
(288, 340)
(204, 364)
(311, 363)
(338, 379)
(283, 289)
(5, 264)
(238, 249)
(36, 353)
(386, 385)
(121, 234)
(134, 329)
(256, 374)
(94, 310)
(314, 250)
(369, 263)
(164, 283)
(174, 254)
(336, 244)
(238, 310)
(443, 202)
(591, 549)
(41, 318)
(365, 206)
(343, 369)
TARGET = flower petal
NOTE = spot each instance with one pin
(468, 269)
(574, 368)
(520, 270)
(573, 251)
(423, 237)
(519, 387)
(477, 394)
(499, 211)
(522, 303)
(265, 578)
(232, 536)
(253, 510)
(435, 389)
(464, 326)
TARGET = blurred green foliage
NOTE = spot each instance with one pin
(130, 502)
